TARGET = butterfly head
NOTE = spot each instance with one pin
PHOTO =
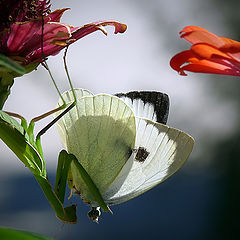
(94, 214)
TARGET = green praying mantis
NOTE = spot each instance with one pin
(122, 147)
(20, 138)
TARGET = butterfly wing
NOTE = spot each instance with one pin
(68, 97)
(160, 152)
(148, 104)
(100, 131)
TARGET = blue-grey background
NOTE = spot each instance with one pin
(201, 201)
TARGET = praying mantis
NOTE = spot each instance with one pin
(20, 138)
(130, 149)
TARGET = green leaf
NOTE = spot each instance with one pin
(9, 64)
(13, 234)
(64, 161)
(11, 133)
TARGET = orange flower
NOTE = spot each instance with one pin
(209, 53)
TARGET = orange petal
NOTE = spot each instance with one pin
(194, 35)
(230, 42)
(207, 66)
(179, 59)
(207, 52)
(232, 48)
(188, 61)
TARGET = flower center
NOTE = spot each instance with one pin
(21, 11)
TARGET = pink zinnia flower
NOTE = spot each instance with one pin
(21, 36)
(29, 30)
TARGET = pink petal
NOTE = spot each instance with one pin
(55, 16)
(20, 33)
(80, 32)
(57, 36)
(77, 33)
(27, 37)
(36, 55)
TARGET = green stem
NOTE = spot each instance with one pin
(6, 83)
(67, 214)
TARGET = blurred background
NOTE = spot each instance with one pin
(201, 201)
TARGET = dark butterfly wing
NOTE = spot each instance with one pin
(148, 104)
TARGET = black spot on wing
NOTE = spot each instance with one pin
(160, 102)
(142, 154)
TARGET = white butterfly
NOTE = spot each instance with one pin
(123, 144)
